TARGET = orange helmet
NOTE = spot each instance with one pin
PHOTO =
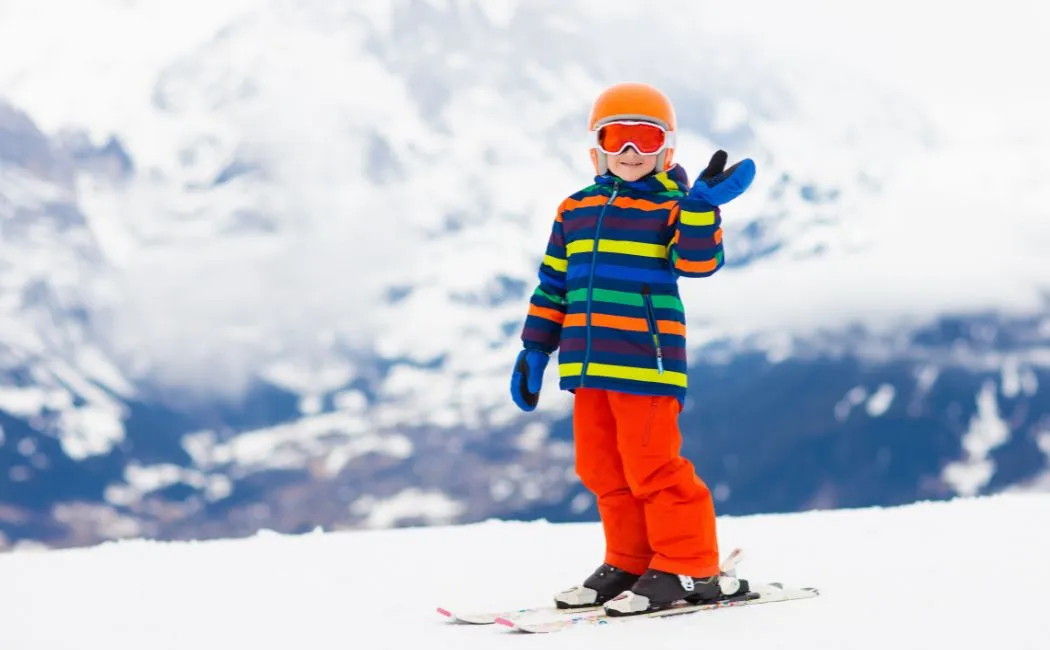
(632, 101)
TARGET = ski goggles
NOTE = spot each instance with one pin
(647, 138)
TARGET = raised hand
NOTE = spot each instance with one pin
(718, 185)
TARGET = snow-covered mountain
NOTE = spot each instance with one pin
(264, 263)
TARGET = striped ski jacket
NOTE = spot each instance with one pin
(607, 298)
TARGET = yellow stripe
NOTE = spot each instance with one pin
(618, 246)
(570, 369)
(631, 248)
(624, 372)
(638, 374)
(697, 218)
(555, 263)
(667, 181)
(579, 246)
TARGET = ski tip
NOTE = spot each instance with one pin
(505, 622)
(444, 612)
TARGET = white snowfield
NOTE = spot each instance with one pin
(972, 573)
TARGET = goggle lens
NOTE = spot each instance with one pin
(647, 138)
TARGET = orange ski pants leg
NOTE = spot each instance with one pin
(655, 511)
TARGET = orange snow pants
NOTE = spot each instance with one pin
(655, 511)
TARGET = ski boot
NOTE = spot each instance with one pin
(605, 583)
(657, 590)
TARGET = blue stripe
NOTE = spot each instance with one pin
(624, 273)
(632, 285)
(647, 360)
(609, 334)
(544, 301)
(542, 324)
(618, 309)
(619, 259)
(555, 281)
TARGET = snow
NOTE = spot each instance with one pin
(1017, 379)
(90, 431)
(142, 480)
(338, 437)
(966, 574)
(411, 503)
(881, 400)
(1041, 483)
(853, 397)
(533, 436)
(987, 431)
(25, 401)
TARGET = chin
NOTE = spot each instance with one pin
(631, 173)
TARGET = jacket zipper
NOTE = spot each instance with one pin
(654, 331)
(590, 280)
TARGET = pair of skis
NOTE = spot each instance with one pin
(548, 619)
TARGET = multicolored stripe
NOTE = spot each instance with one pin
(608, 298)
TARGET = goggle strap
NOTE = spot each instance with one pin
(632, 118)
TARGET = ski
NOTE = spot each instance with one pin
(539, 618)
(488, 618)
(762, 593)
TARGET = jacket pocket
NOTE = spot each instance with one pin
(654, 331)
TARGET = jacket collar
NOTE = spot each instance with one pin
(674, 179)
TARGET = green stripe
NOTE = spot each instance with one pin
(668, 302)
(625, 298)
(557, 300)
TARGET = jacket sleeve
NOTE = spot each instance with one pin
(696, 243)
(547, 306)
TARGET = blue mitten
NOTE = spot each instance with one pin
(527, 378)
(718, 185)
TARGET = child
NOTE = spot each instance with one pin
(608, 301)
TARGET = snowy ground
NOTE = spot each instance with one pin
(966, 574)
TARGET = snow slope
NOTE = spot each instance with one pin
(968, 574)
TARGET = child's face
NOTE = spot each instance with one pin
(631, 165)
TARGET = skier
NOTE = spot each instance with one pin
(608, 301)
